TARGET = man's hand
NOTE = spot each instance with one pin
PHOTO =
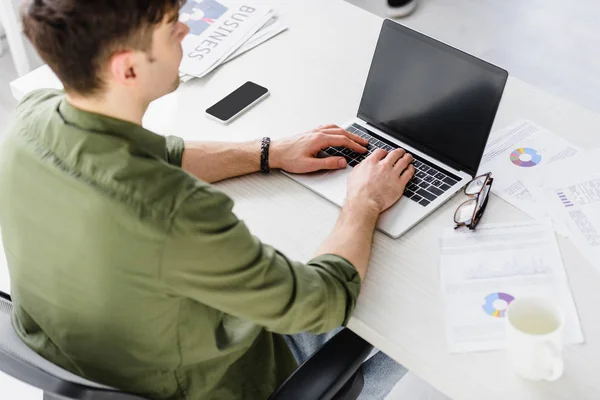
(373, 186)
(378, 182)
(298, 154)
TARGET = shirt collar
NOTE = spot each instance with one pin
(138, 136)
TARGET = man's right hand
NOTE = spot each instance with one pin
(374, 185)
(379, 181)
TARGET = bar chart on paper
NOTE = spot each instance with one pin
(574, 200)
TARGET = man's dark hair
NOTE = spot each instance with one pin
(77, 37)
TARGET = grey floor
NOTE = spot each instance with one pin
(551, 44)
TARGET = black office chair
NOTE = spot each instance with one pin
(333, 373)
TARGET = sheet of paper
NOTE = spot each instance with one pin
(516, 154)
(217, 29)
(570, 190)
(270, 29)
(482, 271)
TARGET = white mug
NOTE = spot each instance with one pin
(534, 338)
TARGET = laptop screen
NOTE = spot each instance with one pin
(431, 96)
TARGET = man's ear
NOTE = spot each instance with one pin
(123, 68)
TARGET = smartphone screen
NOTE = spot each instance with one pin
(237, 101)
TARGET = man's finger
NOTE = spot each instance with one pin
(327, 126)
(394, 156)
(407, 175)
(317, 164)
(377, 155)
(339, 140)
(403, 163)
(351, 136)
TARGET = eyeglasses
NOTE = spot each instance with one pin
(469, 213)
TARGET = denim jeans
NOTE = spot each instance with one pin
(381, 373)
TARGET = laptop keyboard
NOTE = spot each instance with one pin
(429, 182)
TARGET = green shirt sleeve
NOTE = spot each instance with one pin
(175, 147)
(211, 257)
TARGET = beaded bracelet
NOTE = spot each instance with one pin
(264, 155)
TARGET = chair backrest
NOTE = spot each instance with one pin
(25, 365)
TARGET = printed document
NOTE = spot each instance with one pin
(515, 155)
(570, 190)
(272, 28)
(217, 30)
(483, 271)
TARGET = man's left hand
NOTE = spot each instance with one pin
(298, 154)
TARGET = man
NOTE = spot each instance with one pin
(127, 267)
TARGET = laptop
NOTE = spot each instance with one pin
(436, 102)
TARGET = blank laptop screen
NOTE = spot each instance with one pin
(434, 97)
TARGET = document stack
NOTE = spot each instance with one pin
(222, 30)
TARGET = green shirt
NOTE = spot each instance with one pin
(128, 271)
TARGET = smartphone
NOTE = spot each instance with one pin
(238, 101)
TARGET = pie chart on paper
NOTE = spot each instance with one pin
(525, 157)
(496, 304)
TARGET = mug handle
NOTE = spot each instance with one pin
(557, 367)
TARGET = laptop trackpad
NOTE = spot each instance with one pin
(332, 185)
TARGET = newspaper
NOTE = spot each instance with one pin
(220, 31)
(270, 29)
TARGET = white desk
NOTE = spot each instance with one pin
(316, 72)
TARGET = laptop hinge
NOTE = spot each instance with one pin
(454, 165)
